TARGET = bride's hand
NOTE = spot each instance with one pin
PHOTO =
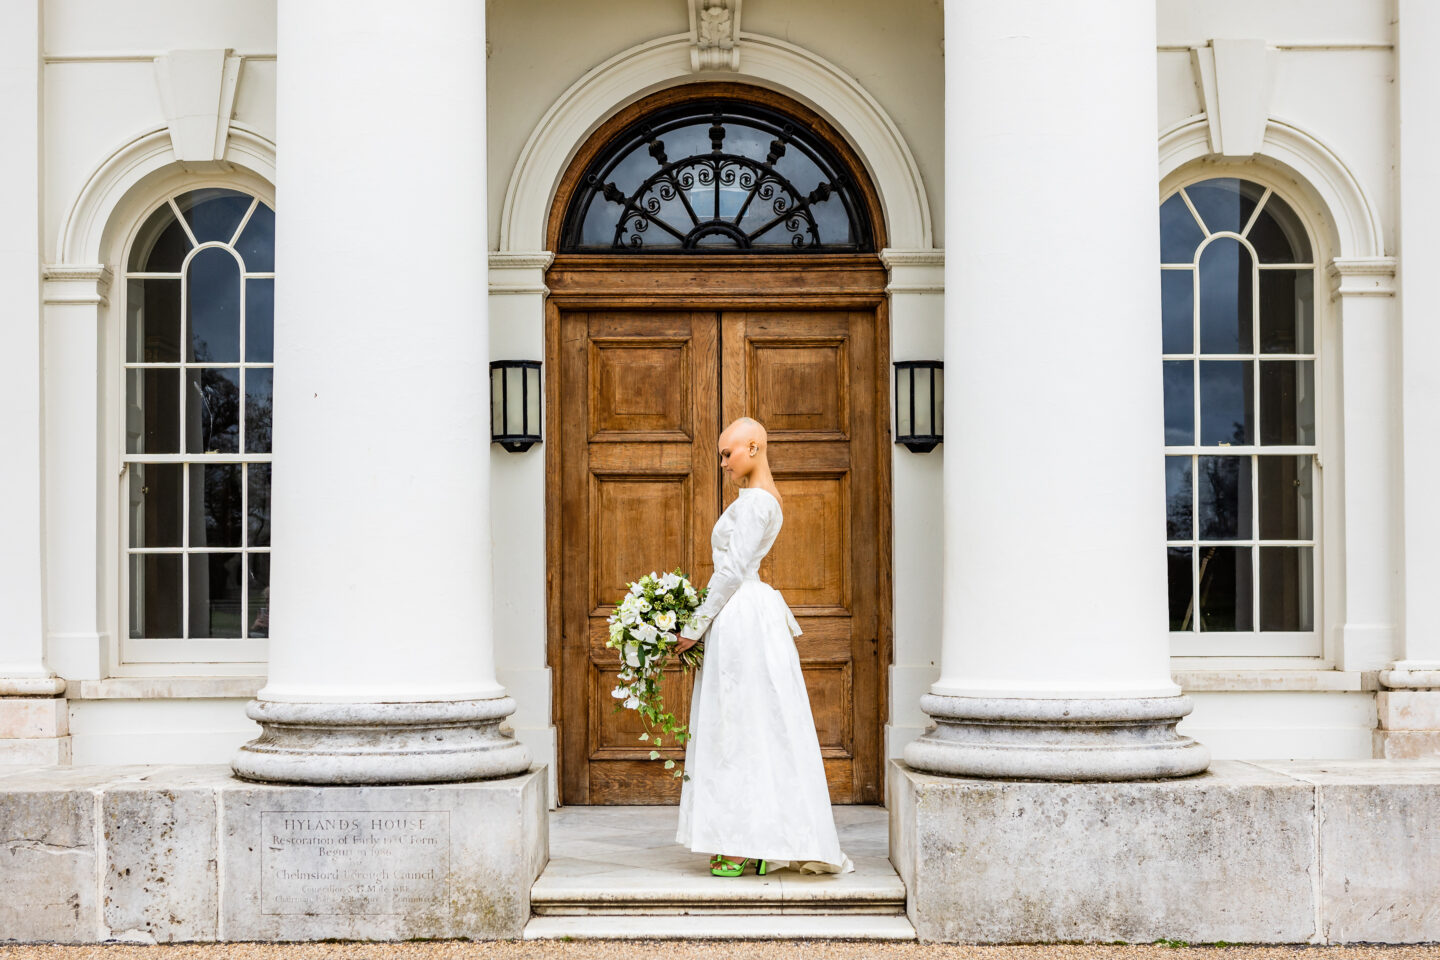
(685, 644)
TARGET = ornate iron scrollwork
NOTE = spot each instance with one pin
(765, 185)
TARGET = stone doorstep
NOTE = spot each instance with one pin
(1407, 744)
(720, 927)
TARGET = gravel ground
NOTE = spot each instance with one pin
(694, 950)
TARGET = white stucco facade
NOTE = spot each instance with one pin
(1326, 107)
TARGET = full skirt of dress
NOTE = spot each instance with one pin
(756, 783)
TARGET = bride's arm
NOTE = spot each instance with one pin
(746, 536)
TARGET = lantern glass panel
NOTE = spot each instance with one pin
(904, 378)
(497, 401)
(532, 400)
(924, 422)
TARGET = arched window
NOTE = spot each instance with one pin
(717, 176)
(1241, 440)
(199, 295)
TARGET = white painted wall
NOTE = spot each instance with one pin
(1334, 63)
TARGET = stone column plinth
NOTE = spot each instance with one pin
(1409, 709)
(1054, 650)
(381, 657)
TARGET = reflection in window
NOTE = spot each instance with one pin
(717, 176)
(199, 330)
(1238, 340)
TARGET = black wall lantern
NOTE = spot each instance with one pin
(515, 403)
(919, 403)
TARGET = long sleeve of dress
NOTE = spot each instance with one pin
(742, 556)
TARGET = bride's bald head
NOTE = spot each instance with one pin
(742, 448)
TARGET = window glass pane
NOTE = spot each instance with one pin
(1181, 592)
(768, 184)
(1179, 233)
(152, 321)
(1223, 502)
(1225, 203)
(1179, 403)
(1287, 498)
(152, 411)
(155, 498)
(1287, 588)
(155, 592)
(215, 594)
(1177, 308)
(1178, 508)
(213, 213)
(257, 243)
(1287, 311)
(1226, 389)
(259, 402)
(1226, 305)
(161, 244)
(212, 300)
(258, 478)
(215, 504)
(1278, 234)
(212, 410)
(1225, 589)
(258, 578)
(260, 320)
(1287, 402)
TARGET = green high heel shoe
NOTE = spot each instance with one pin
(722, 866)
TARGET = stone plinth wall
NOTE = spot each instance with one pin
(1282, 852)
(177, 853)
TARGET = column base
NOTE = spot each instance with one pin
(1038, 739)
(430, 741)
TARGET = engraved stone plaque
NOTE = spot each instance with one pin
(360, 862)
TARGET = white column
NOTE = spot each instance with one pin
(32, 721)
(1054, 649)
(1408, 707)
(381, 661)
(1419, 206)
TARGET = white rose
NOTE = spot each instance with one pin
(642, 605)
(665, 620)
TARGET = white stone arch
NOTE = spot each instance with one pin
(100, 208)
(664, 62)
(1344, 215)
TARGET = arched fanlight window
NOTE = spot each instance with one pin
(1238, 330)
(199, 295)
(717, 176)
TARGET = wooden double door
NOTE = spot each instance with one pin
(640, 399)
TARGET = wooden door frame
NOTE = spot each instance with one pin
(718, 282)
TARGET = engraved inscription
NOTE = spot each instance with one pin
(355, 863)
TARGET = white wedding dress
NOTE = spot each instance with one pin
(757, 783)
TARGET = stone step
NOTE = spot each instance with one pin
(580, 888)
(640, 926)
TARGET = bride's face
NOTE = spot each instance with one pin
(735, 459)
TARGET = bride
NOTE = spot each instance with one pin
(756, 789)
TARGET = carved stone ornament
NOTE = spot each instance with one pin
(714, 34)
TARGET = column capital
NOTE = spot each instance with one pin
(1361, 277)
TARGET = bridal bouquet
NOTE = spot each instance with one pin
(644, 629)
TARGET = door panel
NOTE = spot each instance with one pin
(642, 396)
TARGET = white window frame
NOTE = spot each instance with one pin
(1270, 648)
(173, 656)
